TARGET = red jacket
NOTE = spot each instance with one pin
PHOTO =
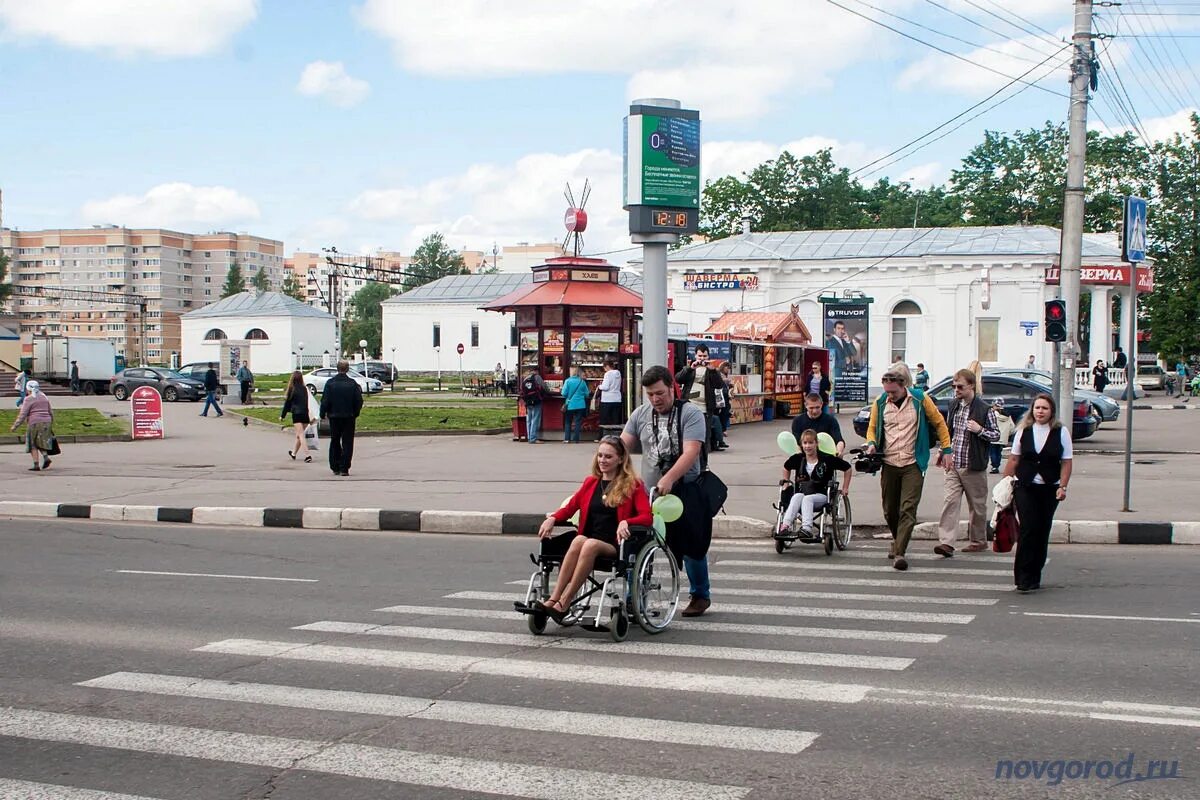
(635, 510)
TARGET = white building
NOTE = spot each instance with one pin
(423, 327)
(275, 328)
(941, 296)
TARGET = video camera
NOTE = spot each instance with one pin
(867, 463)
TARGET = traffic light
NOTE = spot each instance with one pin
(1056, 321)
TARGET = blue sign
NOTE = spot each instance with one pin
(1133, 242)
(1029, 323)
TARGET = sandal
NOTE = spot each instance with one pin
(291, 455)
(308, 459)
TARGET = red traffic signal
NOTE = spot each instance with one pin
(1056, 321)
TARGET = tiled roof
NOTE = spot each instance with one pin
(482, 289)
(255, 304)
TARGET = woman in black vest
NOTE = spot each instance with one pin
(1041, 462)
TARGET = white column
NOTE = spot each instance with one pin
(1123, 331)
(1100, 341)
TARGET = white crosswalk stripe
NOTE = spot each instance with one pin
(914, 599)
(28, 790)
(352, 760)
(872, 553)
(534, 668)
(882, 583)
(589, 644)
(883, 566)
(766, 740)
(687, 624)
(884, 615)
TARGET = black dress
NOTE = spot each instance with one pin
(601, 519)
(297, 403)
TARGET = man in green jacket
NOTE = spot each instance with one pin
(900, 424)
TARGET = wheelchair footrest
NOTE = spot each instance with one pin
(526, 609)
(587, 626)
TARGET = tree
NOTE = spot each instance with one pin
(292, 288)
(234, 282)
(366, 318)
(1014, 179)
(433, 260)
(5, 286)
(261, 281)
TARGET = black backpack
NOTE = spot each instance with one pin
(530, 393)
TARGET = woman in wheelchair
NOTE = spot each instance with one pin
(814, 470)
(610, 500)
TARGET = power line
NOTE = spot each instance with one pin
(1169, 64)
(1185, 61)
(978, 24)
(1152, 52)
(1028, 22)
(940, 49)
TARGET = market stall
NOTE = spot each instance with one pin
(574, 314)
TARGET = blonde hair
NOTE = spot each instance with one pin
(901, 370)
(622, 487)
(808, 434)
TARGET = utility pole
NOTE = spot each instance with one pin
(1072, 225)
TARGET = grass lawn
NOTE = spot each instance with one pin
(73, 422)
(412, 418)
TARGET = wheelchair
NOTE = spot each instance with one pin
(833, 527)
(640, 584)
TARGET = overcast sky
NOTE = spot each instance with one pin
(370, 124)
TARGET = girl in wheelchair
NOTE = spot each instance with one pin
(610, 500)
(813, 471)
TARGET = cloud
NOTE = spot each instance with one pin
(329, 80)
(1012, 57)
(729, 60)
(179, 206)
(1159, 129)
(160, 28)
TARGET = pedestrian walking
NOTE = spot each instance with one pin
(74, 377)
(19, 384)
(1041, 463)
(726, 412)
(1099, 376)
(973, 429)
(341, 403)
(921, 379)
(1120, 360)
(533, 391)
(610, 394)
(1005, 424)
(902, 420)
(37, 414)
(672, 435)
(699, 389)
(212, 388)
(295, 402)
(816, 418)
(245, 380)
(818, 383)
(575, 403)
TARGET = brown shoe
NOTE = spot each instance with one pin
(975, 547)
(945, 550)
(900, 563)
(697, 607)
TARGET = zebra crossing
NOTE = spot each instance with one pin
(764, 642)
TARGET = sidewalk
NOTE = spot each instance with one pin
(218, 462)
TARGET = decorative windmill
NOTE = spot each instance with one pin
(575, 219)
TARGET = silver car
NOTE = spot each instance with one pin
(315, 380)
(1106, 408)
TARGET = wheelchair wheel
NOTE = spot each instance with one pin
(655, 589)
(618, 625)
(780, 545)
(536, 623)
(845, 528)
(829, 533)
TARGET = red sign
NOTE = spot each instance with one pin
(146, 406)
(460, 348)
(575, 220)
(1117, 275)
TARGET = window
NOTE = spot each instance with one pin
(257, 334)
(437, 335)
(474, 334)
(514, 337)
(988, 350)
(216, 334)
(901, 329)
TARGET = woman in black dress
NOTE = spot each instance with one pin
(295, 401)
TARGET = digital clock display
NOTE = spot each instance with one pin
(651, 219)
(670, 219)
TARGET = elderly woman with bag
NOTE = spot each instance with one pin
(39, 440)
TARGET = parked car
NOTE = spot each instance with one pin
(380, 370)
(197, 370)
(1106, 408)
(315, 380)
(171, 385)
(1017, 394)
(1150, 376)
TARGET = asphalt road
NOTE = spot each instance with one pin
(817, 677)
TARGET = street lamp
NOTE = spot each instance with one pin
(438, 351)
(392, 371)
(362, 343)
(495, 257)
(300, 347)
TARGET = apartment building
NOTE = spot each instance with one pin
(175, 272)
(312, 271)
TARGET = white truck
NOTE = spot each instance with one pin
(97, 360)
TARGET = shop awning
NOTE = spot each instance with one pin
(567, 293)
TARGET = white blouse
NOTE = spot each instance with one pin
(1040, 434)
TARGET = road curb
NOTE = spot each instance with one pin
(503, 522)
(280, 426)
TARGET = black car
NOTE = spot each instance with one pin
(171, 385)
(1017, 394)
(379, 370)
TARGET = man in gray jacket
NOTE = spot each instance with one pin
(973, 429)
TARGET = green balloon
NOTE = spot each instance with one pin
(826, 444)
(660, 527)
(669, 507)
(787, 443)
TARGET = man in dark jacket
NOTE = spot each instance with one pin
(700, 386)
(212, 385)
(341, 403)
(973, 429)
(816, 418)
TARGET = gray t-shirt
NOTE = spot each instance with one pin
(660, 440)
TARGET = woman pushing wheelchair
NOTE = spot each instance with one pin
(610, 500)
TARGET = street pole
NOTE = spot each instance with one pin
(1130, 373)
(654, 296)
(1073, 205)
